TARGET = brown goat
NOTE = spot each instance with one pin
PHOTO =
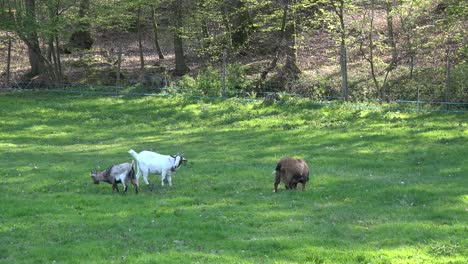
(121, 173)
(291, 171)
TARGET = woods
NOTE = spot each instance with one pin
(350, 50)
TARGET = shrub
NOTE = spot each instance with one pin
(236, 78)
(187, 83)
(208, 82)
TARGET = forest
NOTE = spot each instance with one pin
(379, 50)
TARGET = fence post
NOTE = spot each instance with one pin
(447, 79)
(8, 71)
(418, 100)
(224, 73)
(119, 64)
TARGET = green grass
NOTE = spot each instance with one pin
(386, 187)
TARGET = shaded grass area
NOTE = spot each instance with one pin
(386, 187)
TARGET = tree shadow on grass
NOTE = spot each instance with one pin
(371, 194)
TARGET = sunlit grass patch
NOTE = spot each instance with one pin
(385, 187)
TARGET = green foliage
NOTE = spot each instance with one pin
(429, 85)
(236, 78)
(250, 31)
(209, 82)
(187, 82)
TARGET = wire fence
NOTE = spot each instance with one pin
(241, 95)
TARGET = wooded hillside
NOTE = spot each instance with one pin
(351, 50)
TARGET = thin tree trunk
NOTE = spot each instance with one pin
(291, 69)
(32, 41)
(343, 52)
(53, 59)
(50, 45)
(370, 58)
(227, 26)
(224, 74)
(59, 61)
(411, 66)
(181, 67)
(277, 52)
(140, 40)
(391, 41)
(407, 36)
(240, 22)
(447, 76)
(81, 38)
(390, 35)
(155, 32)
(8, 66)
(119, 63)
(371, 53)
(53, 53)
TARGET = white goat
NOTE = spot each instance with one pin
(151, 162)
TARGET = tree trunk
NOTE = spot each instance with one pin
(58, 61)
(181, 67)
(390, 35)
(291, 69)
(155, 32)
(370, 58)
(277, 51)
(343, 52)
(81, 38)
(140, 46)
(119, 65)
(52, 58)
(391, 41)
(240, 21)
(32, 41)
(224, 74)
(447, 77)
(140, 40)
(408, 38)
(8, 66)
(371, 54)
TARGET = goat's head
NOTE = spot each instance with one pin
(95, 176)
(182, 159)
(178, 161)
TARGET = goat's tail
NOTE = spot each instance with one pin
(137, 168)
(278, 168)
(133, 153)
(131, 172)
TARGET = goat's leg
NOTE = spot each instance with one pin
(293, 184)
(163, 177)
(277, 181)
(285, 178)
(135, 184)
(169, 179)
(125, 185)
(115, 187)
(145, 178)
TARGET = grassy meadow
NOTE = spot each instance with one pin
(385, 187)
